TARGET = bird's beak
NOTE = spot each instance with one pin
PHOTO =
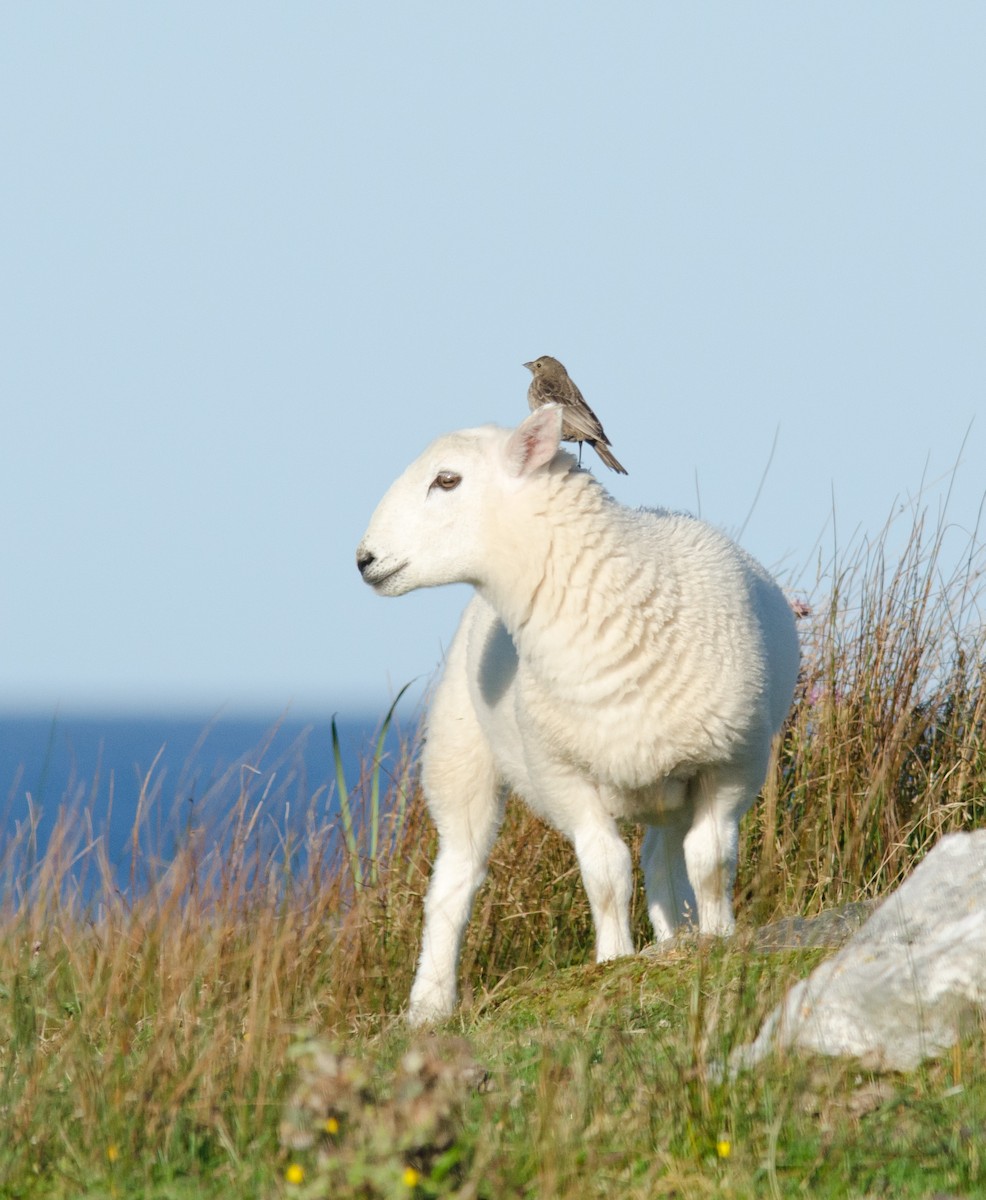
(530, 367)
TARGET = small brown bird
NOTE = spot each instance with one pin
(552, 384)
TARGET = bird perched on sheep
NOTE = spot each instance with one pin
(552, 384)
(613, 663)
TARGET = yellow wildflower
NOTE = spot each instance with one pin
(411, 1178)
(331, 1125)
(295, 1173)
(724, 1147)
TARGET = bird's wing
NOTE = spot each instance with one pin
(551, 391)
(581, 420)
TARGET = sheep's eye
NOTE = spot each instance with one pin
(446, 480)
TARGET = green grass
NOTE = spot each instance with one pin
(234, 1024)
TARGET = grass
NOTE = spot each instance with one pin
(228, 1028)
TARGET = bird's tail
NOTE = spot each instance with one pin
(608, 457)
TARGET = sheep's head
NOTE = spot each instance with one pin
(429, 528)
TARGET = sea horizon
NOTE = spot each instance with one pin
(97, 771)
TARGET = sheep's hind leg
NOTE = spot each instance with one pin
(670, 897)
(711, 846)
(467, 806)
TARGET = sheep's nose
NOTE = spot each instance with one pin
(364, 559)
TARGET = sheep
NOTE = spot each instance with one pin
(612, 664)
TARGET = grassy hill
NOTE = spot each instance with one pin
(230, 1027)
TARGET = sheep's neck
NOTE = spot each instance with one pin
(557, 591)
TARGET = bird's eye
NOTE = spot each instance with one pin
(446, 480)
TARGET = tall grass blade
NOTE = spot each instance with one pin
(346, 812)
(345, 804)
(378, 751)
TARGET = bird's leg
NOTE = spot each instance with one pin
(580, 455)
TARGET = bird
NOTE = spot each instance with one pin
(552, 384)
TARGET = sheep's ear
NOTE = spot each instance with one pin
(535, 441)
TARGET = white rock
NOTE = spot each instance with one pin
(911, 980)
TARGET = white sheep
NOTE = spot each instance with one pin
(613, 664)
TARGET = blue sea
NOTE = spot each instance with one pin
(93, 773)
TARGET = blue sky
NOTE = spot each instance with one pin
(255, 257)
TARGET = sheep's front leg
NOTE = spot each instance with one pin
(607, 873)
(459, 870)
(573, 805)
(467, 806)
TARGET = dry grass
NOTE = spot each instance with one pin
(884, 752)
